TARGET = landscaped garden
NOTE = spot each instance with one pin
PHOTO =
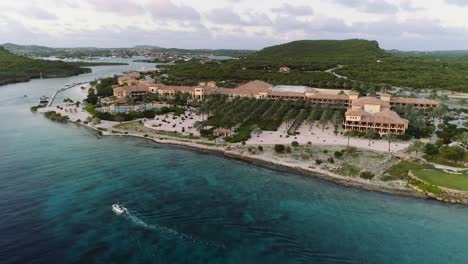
(444, 179)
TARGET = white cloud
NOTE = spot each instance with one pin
(403, 24)
(291, 10)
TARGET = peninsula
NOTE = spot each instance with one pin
(15, 68)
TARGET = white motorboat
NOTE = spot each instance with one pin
(44, 100)
(119, 209)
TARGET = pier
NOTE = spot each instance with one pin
(61, 90)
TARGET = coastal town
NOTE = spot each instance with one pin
(354, 139)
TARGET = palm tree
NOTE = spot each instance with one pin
(416, 147)
(337, 119)
(370, 134)
(146, 100)
(130, 101)
(288, 118)
(440, 111)
(324, 119)
(311, 119)
(113, 99)
(390, 137)
(256, 130)
(348, 135)
(198, 125)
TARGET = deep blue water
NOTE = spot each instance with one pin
(58, 182)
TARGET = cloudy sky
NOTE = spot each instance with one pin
(242, 24)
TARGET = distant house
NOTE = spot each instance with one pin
(284, 69)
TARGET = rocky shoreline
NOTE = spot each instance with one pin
(258, 161)
(106, 129)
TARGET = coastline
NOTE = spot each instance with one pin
(29, 78)
(235, 151)
(258, 161)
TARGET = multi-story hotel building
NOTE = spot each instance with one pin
(364, 113)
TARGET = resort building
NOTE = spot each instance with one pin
(420, 103)
(364, 113)
(133, 87)
(131, 84)
(370, 113)
(129, 78)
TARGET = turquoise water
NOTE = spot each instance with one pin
(58, 182)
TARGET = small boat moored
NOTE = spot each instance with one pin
(44, 100)
(119, 209)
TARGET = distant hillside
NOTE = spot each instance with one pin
(42, 51)
(83, 52)
(14, 68)
(310, 52)
(366, 66)
(441, 55)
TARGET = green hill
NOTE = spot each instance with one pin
(367, 67)
(14, 68)
(305, 53)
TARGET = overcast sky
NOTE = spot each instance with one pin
(243, 24)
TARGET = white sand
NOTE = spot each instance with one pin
(68, 110)
(327, 137)
(316, 136)
(175, 123)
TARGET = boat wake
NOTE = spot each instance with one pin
(167, 233)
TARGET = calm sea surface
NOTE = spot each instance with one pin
(58, 182)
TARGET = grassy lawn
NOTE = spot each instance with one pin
(400, 170)
(91, 109)
(135, 126)
(441, 160)
(441, 178)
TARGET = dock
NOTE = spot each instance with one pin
(61, 90)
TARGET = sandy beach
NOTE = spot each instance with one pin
(326, 137)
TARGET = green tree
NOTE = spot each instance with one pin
(130, 101)
(447, 133)
(92, 98)
(440, 111)
(289, 117)
(431, 149)
(279, 148)
(337, 119)
(416, 147)
(324, 119)
(390, 137)
(454, 153)
(370, 134)
(311, 119)
(256, 130)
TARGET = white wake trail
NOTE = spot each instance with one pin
(166, 232)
